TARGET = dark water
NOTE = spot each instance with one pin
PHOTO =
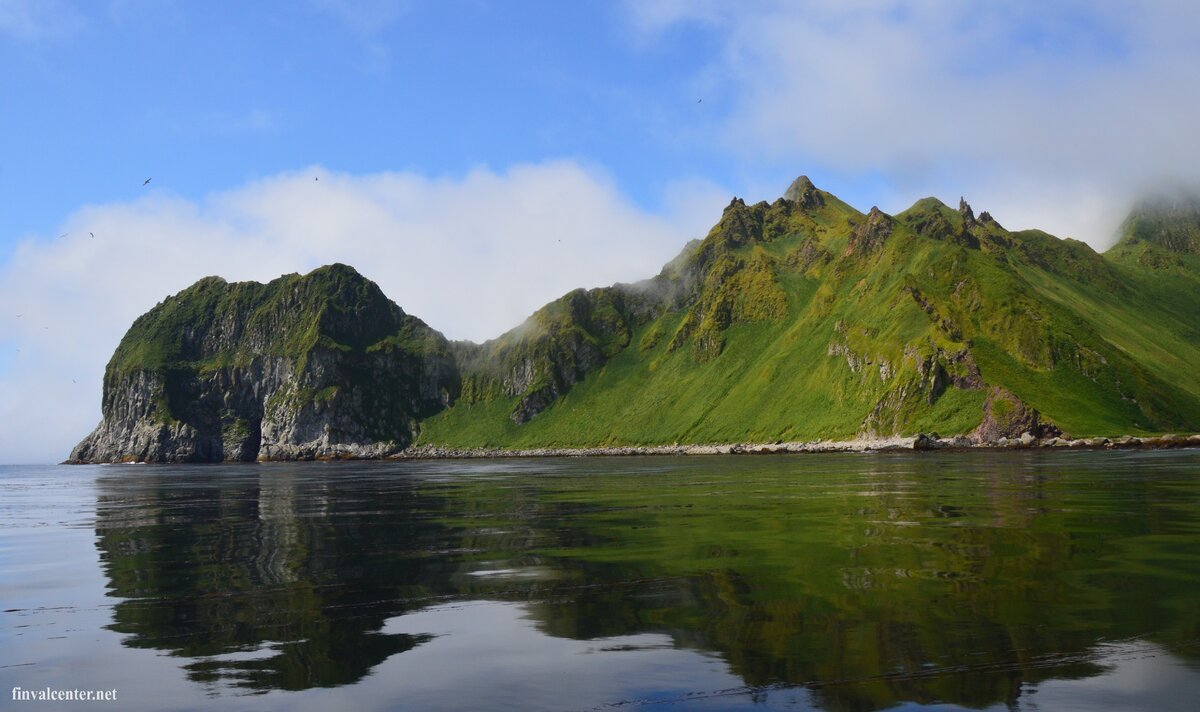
(1011, 580)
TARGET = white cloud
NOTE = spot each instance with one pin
(1012, 104)
(471, 255)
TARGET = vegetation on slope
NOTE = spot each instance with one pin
(806, 319)
(793, 320)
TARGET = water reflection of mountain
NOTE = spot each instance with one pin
(926, 585)
(907, 581)
(264, 578)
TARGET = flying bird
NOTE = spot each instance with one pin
(699, 100)
(146, 182)
(63, 235)
(93, 235)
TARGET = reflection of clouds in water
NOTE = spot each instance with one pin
(1138, 676)
(513, 665)
(634, 586)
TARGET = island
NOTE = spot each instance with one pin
(797, 325)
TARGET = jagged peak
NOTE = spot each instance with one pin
(798, 187)
(932, 206)
(871, 233)
(804, 193)
(964, 208)
(932, 218)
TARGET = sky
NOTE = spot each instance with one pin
(478, 159)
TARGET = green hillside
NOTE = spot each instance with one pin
(798, 320)
(805, 319)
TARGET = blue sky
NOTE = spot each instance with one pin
(203, 96)
(478, 159)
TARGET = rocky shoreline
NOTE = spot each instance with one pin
(921, 441)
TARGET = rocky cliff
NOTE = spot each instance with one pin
(798, 320)
(315, 366)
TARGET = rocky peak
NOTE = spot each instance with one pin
(803, 193)
(871, 233)
(965, 209)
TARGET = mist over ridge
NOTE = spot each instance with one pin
(797, 320)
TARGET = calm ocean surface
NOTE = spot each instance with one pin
(980, 580)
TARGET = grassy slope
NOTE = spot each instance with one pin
(1100, 345)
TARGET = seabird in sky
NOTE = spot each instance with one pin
(146, 181)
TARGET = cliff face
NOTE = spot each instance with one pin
(795, 320)
(321, 365)
(540, 361)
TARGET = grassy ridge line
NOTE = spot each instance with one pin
(816, 322)
(801, 320)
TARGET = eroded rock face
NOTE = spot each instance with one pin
(1006, 416)
(542, 380)
(871, 234)
(320, 366)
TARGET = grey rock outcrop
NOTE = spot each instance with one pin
(1006, 416)
(803, 193)
(319, 366)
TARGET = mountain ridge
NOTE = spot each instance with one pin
(805, 318)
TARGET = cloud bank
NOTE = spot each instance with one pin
(1052, 115)
(472, 256)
